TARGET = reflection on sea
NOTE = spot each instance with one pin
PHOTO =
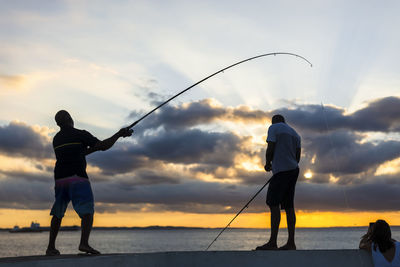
(131, 241)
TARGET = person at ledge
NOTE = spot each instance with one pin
(282, 157)
(378, 241)
(71, 146)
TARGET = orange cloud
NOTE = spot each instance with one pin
(12, 82)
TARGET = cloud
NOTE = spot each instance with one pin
(26, 193)
(341, 152)
(376, 196)
(126, 194)
(380, 115)
(190, 146)
(200, 112)
(201, 197)
(12, 82)
(20, 139)
(174, 164)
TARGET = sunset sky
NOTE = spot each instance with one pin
(198, 160)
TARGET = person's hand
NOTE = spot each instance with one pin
(125, 132)
(268, 167)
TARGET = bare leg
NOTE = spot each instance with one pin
(86, 225)
(291, 224)
(275, 221)
(54, 228)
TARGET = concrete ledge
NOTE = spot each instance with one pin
(309, 258)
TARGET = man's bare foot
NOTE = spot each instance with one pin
(88, 249)
(52, 252)
(288, 247)
(267, 246)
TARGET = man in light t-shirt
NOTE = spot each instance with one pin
(282, 157)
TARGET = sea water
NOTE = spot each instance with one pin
(140, 241)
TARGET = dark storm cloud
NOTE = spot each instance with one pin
(341, 152)
(226, 198)
(26, 193)
(200, 197)
(192, 146)
(184, 147)
(139, 175)
(194, 113)
(145, 177)
(119, 160)
(198, 112)
(195, 192)
(381, 115)
(20, 139)
(381, 194)
(28, 177)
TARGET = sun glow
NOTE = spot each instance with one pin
(308, 175)
(333, 179)
(248, 163)
(11, 217)
(251, 166)
(313, 159)
(389, 167)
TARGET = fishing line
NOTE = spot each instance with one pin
(337, 169)
(334, 152)
(237, 214)
(215, 73)
(247, 204)
(204, 79)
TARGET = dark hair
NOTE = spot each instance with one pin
(381, 236)
(277, 118)
(62, 118)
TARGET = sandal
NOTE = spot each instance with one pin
(52, 252)
(267, 246)
(287, 247)
(89, 250)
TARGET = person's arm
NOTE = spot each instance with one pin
(109, 142)
(298, 154)
(365, 243)
(269, 155)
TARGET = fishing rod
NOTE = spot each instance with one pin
(245, 206)
(215, 73)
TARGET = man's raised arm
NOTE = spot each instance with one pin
(109, 142)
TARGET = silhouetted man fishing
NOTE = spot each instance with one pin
(284, 149)
(71, 180)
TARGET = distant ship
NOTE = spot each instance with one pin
(35, 228)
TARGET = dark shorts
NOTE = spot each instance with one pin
(281, 189)
(77, 190)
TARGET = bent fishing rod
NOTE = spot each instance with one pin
(237, 214)
(215, 73)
